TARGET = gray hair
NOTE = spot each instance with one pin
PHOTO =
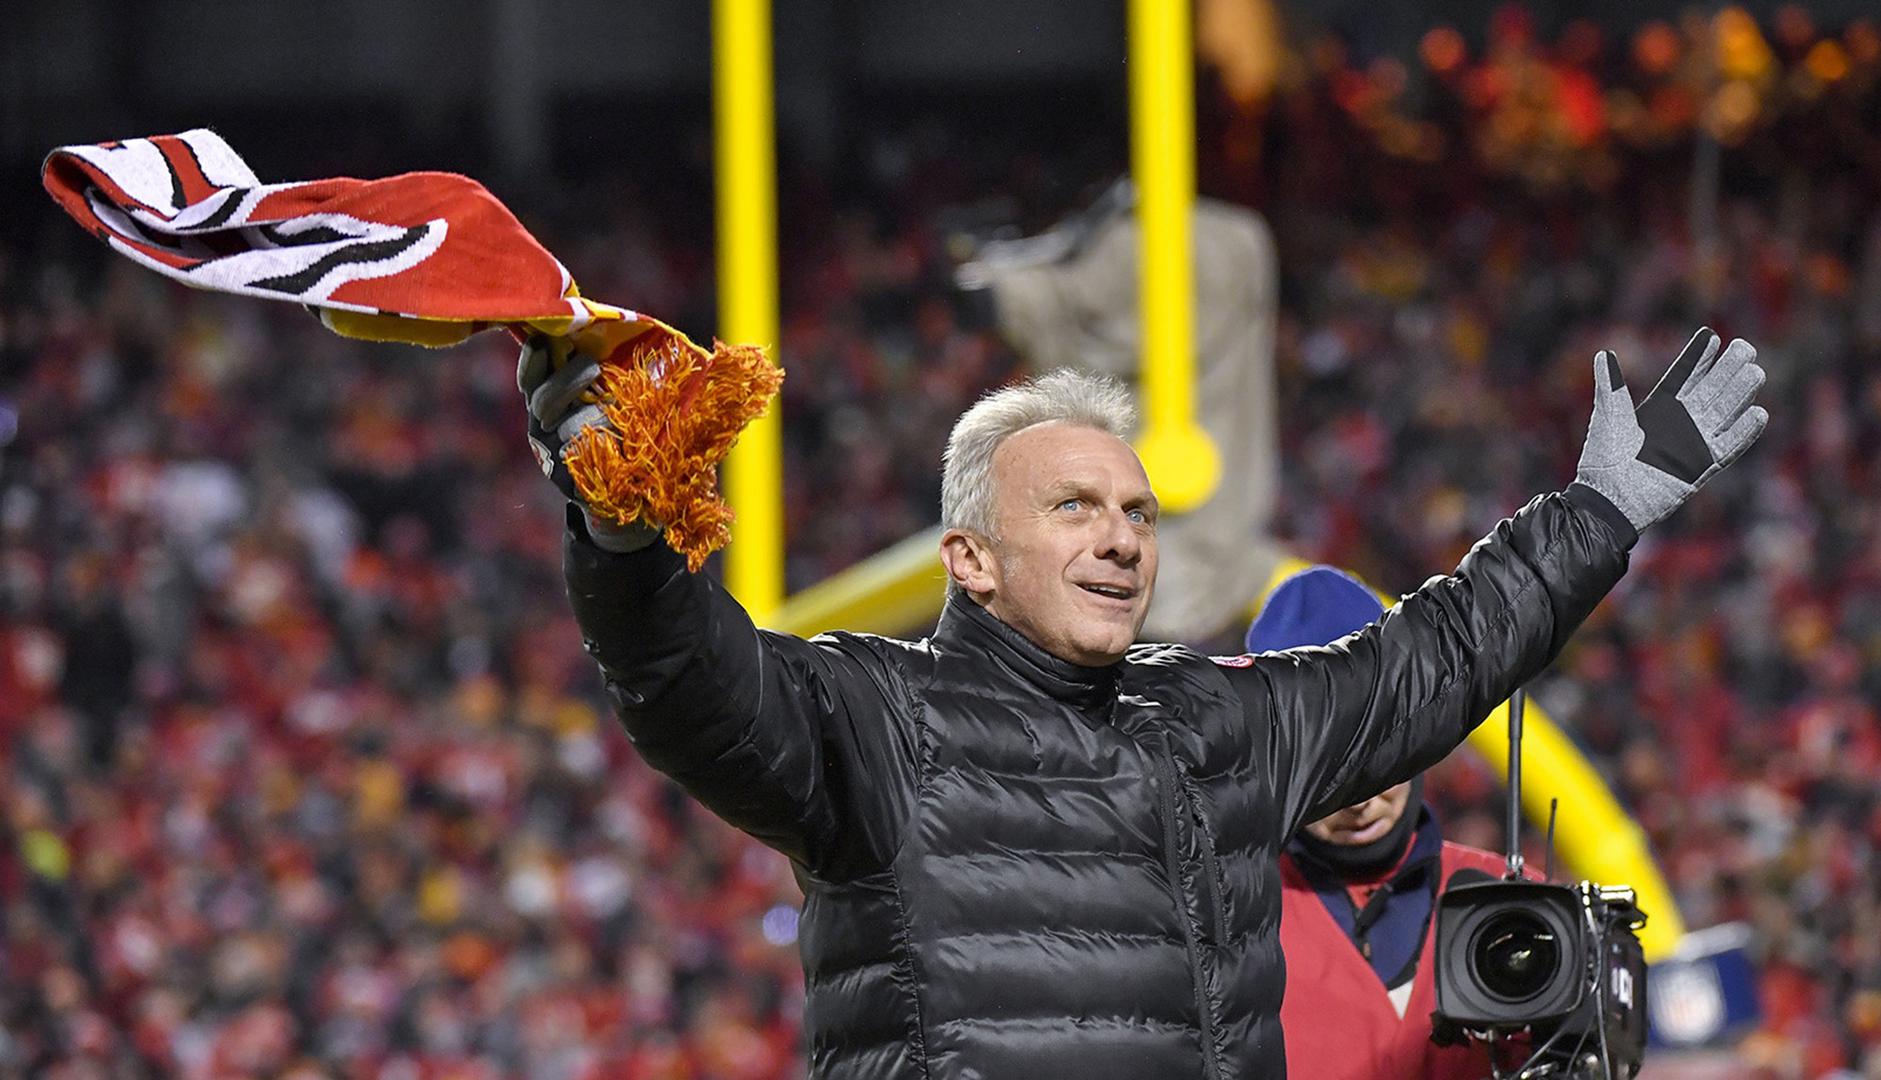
(1065, 395)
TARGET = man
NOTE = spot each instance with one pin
(1068, 298)
(1359, 893)
(1028, 849)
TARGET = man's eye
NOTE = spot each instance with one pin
(1139, 517)
(1071, 505)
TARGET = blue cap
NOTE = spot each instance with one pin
(1316, 606)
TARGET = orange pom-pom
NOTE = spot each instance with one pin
(673, 413)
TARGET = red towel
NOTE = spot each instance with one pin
(431, 258)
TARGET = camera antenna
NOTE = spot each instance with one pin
(1517, 701)
(1548, 867)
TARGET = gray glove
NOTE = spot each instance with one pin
(553, 421)
(1649, 460)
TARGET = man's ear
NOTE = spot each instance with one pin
(970, 561)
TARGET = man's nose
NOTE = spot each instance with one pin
(1120, 542)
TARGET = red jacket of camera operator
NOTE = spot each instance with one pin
(1359, 894)
(1340, 1020)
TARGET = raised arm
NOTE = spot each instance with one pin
(1376, 707)
(806, 745)
(1347, 720)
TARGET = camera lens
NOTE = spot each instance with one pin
(1514, 955)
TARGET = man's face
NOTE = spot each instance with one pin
(1362, 823)
(1075, 560)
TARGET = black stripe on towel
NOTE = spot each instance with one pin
(195, 162)
(363, 252)
(163, 242)
(159, 240)
(319, 234)
(226, 210)
(177, 201)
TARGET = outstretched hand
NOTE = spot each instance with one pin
(1698, 419)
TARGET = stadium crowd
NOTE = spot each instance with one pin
(305, 772)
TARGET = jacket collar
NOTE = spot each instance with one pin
(971, 628)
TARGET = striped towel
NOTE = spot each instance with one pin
(430, 259)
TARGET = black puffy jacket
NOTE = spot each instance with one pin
(1016, 868)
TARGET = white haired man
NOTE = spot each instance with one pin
(1029, 847)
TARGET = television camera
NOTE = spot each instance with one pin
(1550, 974)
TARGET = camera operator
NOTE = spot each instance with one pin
(1358, 893)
